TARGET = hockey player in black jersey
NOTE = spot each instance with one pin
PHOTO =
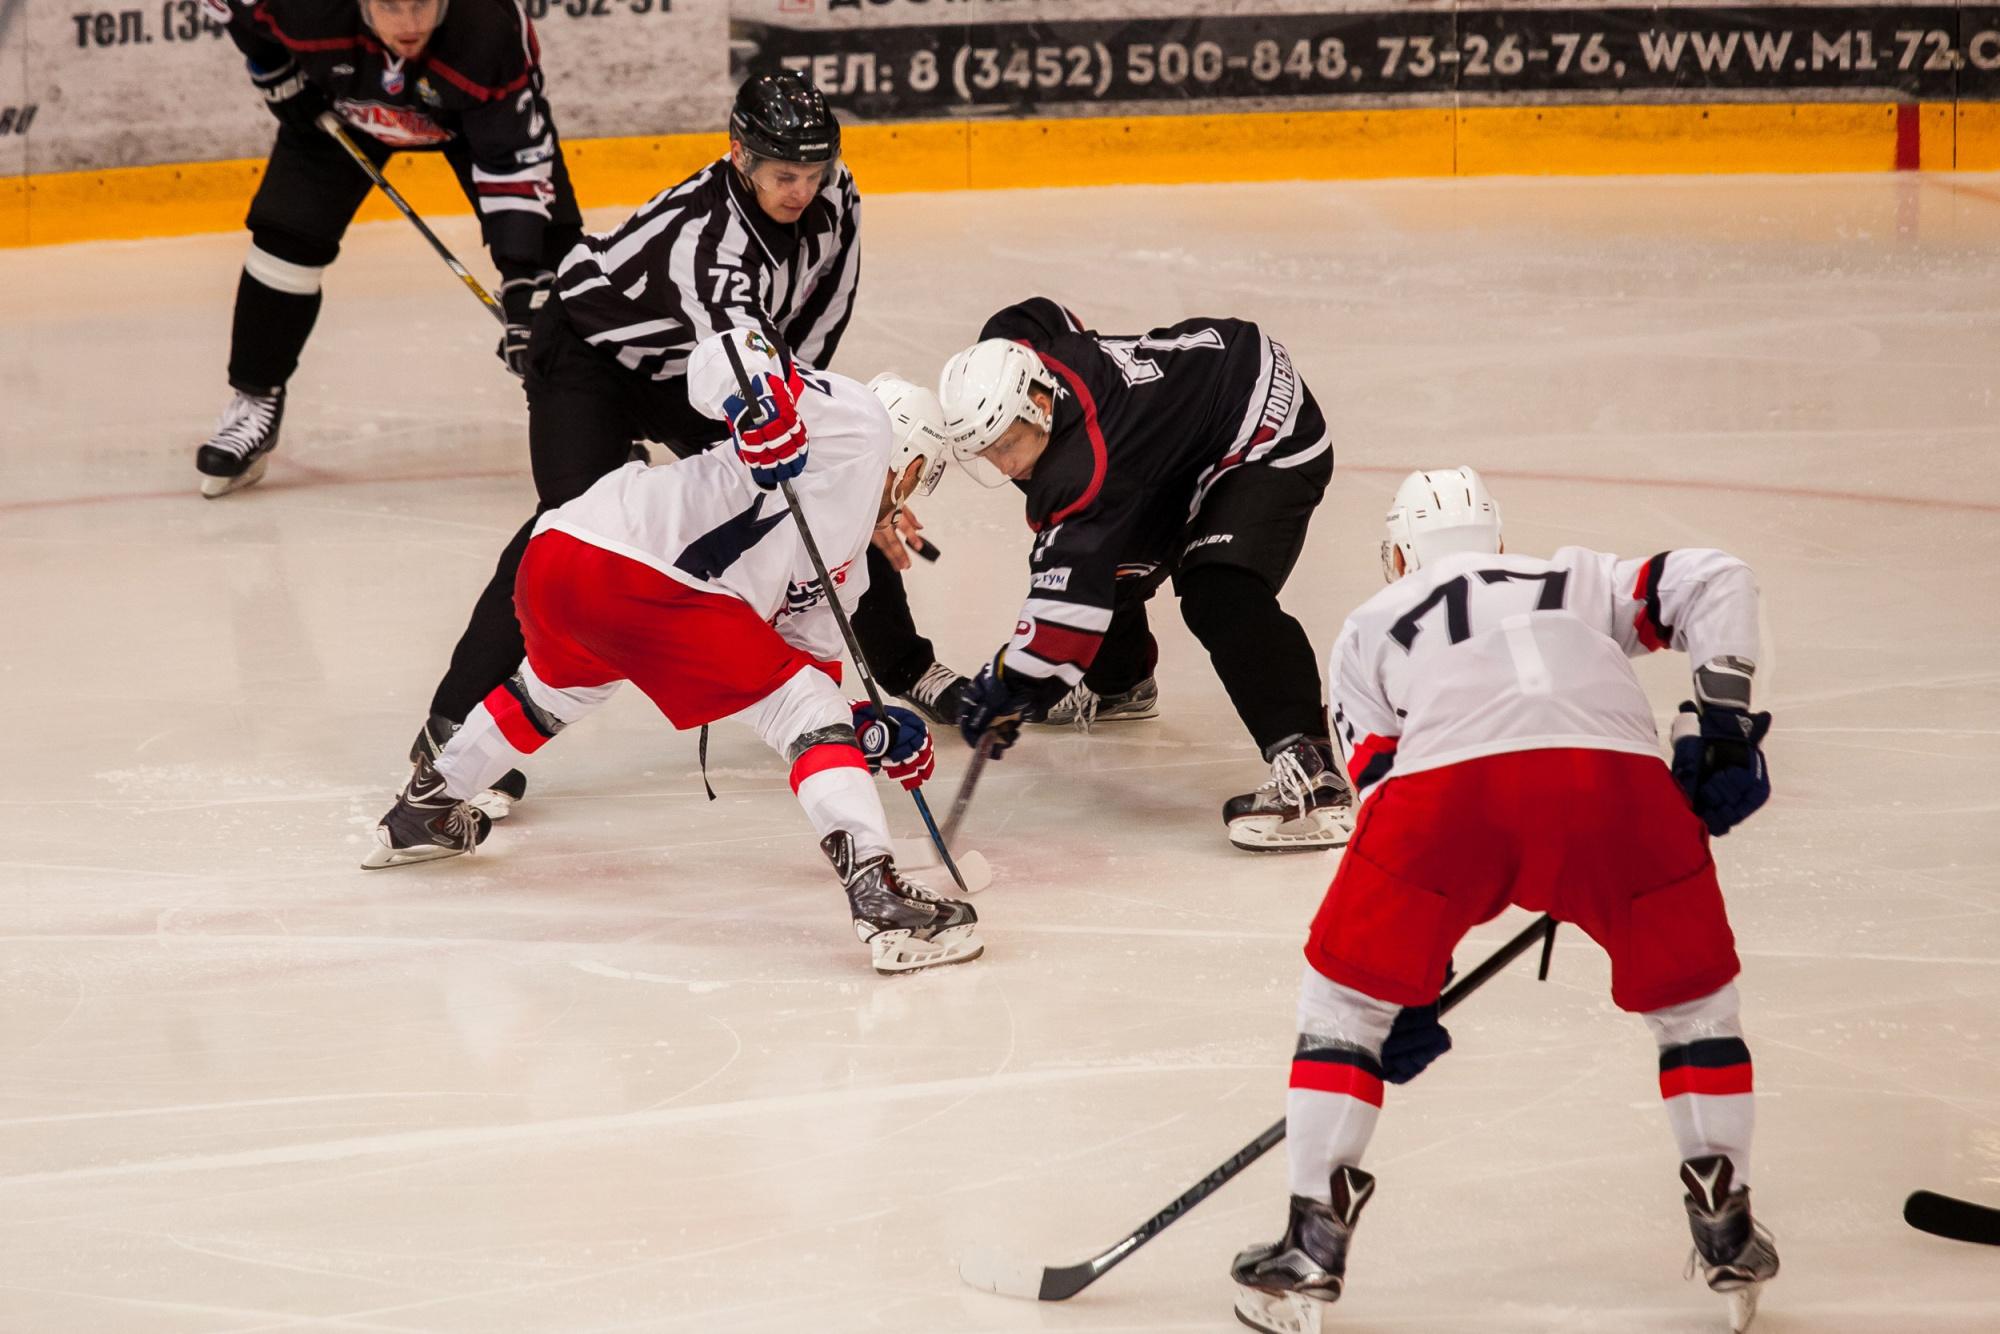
(464, 79)
(1194, 452)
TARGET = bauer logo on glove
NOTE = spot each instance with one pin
(895, 743)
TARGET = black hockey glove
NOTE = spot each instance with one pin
(991, 710)
(520, 299)
(290, 96)
(1719, 763)
(1415, 1040)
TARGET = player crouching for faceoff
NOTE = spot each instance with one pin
(1195, 452)
(694, 583)
(1505, 753)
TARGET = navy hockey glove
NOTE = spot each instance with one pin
(1719, 763)
(993, 704)
(1415, 1040)
(520, 299)
(895, 743)
(289, 95)
(770, 438)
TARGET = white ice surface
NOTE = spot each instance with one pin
(627, 1069)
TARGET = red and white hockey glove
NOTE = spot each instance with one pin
(895, 743)
(770, 438)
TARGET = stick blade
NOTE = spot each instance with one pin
(1957, 1220)
(920, 855)
(978, 872)
(995, 1271)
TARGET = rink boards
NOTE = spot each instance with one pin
(179, 199)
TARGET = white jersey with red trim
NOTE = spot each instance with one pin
(704, 522)
(1482, 654)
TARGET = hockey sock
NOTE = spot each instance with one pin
(276, 304)
(516, 719)
(809, 722)
(1705, 1078)
(833, 785)
(1336, 1084)
(1261, 654)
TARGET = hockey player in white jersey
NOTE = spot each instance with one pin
(1503, 753)
(694, 583)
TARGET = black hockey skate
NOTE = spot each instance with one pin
(1283, 1288)
(1306, 804)
(1734, 1254)
(1083, 708)
(937, 695)
(497, 801)
(236, 455)
(425, 824)
(904, 925)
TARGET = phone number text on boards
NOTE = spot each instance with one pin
(1093, 68)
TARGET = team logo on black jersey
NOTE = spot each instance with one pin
(427, 94)
(392, 80)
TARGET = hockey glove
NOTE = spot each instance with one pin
(1415, 1040)
(895, 743)
(1719, 763)
(289, 95)
(769, 436)
(520, 299)
(992, 708)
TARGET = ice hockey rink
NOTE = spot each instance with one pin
(627, 1069)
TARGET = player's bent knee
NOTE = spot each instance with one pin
(1220, 600)
(284, 246)
(1716, 1015)
(807, 703)
(557, 707)
(282, 275)
(1340, 1014)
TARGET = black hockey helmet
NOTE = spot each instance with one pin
(783, 117)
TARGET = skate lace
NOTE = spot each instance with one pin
(930, 687)
(913, 889)
(244, 422)
(1078, 708)
(1289, 781)
(462, 823)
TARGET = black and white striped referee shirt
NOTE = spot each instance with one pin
(703, 257)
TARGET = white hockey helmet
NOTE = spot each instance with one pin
(1437, 513)
(986, 389)
(918, 423)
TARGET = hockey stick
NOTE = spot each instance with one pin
(333, 127)
(990, 1271)
(965, 789)
(1956, 1220)
(846, 630)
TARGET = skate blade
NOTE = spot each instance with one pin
(382, 855)
(1324, 828)
(920, 855)
(211, 487)
(898, 952)
(1278, 1313)
(1134, 716)
(1743, 1307)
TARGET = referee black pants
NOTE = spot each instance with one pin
(585, 413)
